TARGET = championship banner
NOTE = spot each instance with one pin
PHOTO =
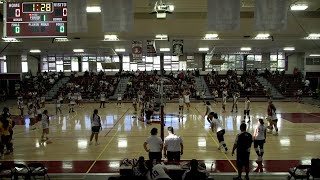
(223, 15)
(137, 50)
(177, 47)
(271, 15)
(117, 15)
(77, 16)
(151, 48)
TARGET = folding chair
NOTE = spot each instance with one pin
(21, 170)
(38, 169)
(299, 172)
(5, 172)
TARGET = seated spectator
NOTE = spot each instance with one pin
(51, 80)
(140, 169)
(156, 172)
(194, 172)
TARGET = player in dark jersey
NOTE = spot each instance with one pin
(242, 144)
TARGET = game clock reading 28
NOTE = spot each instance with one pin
(35, 19)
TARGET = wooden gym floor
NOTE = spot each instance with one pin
(123, 136)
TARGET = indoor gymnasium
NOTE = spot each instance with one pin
(160, 89)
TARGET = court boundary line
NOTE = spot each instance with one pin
(228, 159)
(105, 147)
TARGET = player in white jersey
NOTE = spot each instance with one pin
(208, 108)
(43, 101)
(45, 125)
(215, 95)
(187, 99)
(217, 127)
(72, 102)
(20, 105)
(235, 97)
(203, 97)
(224, 99)
(79, 98)
(102, 99)
(246, 111)
(259, 137)
(134, 104)
(58, 107)
(119, 100)
(181, 105)
(32, 116)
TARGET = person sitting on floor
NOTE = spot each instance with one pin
(194, 172)
(140, 169)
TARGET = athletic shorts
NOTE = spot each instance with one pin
(246, 112)
(275, 120)
(180, 107)
(257, 143)
(243, 160)
(95, 129)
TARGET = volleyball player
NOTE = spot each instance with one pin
(272, 118)
(58, 107)
(203, 97)
(235, 97)
(72, 102)
(224, 99)
(119, 100)
(259, 137)
(187, 99)
(32, 113)
(148, 112)
(142, 111)
(43, 101)
(79, 98)
(216, 126)
(20, 105)
(246, 111)
(215, 95)
(134, 104)
(208, 108)
(95, 126)
(181, 105)
(102, 99)
(45, 125)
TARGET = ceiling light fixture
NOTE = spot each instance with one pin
(120, 50)
(164, 49)
(61, 40)
(262, 36)
(35, 51)
(289, 49)
(162, 37)
(314, 55)
(210, 37)
(78, 50)
(203, 49)
(245, 49)
(313, 36)
(111, 37)
(93, 9)
(6, 39)
(298, 7)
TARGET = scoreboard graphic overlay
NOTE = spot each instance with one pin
(35, 19)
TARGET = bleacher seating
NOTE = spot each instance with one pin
(40, 84)
(246, 84)
(287, 84)
(174, 84)
(90, 85)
